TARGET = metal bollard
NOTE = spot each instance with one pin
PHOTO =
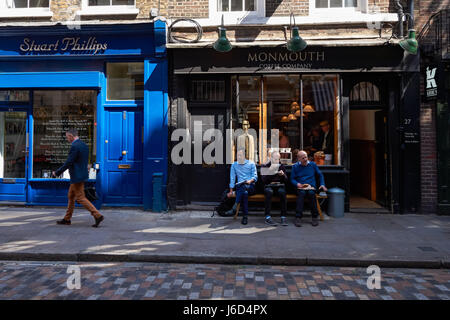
(336, 202)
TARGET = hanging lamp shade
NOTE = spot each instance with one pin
(297, 113)
(285, 119)
(292, 117)
(410, 44)
(295, 105)
(222, 44)
(308, 108)
(296, 43)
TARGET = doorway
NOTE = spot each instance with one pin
(123, 157)
(14, 150)
(208, 180)
(369, 178)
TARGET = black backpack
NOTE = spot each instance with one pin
(225, 204)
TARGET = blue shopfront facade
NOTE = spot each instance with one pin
(107, 81)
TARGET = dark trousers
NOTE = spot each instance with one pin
(242, 192)
(301, 194)
(277, 191)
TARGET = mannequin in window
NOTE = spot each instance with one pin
(247, 142)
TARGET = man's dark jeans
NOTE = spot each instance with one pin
(242, 192)
(269, 192)
(301, 194)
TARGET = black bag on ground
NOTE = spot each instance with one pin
(90, 193)
(225, 204)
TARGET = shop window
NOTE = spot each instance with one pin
(54, 112)
(365, 92)
(12, 144)
(125, 80)
(14, 95)
(24, 4)
(207, 91)
(273, 102)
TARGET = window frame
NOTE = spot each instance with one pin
(86, 9)
(236, 16)
(360, 5)
(5, 11)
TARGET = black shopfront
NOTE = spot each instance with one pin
(367, 97)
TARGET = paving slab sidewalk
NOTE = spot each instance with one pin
(357, 239)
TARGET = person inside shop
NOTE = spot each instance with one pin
(77, 163)
(245, 171)
(326, 138)
(315, 140)
(284, 140)
(273, 175)
(303, 177)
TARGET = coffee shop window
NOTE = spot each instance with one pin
(54, 112)
(264, 104)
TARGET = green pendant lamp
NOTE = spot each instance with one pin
(410, 44)
(296, 43)
(222, 44)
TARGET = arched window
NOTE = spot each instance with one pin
(365, 92)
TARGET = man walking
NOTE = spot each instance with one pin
(303, 177)
(245, 171)
(77, 162)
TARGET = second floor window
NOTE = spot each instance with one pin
(336, 4)
(236, 5)
(22, 4)
(111, 2)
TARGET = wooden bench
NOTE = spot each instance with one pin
(289, 197)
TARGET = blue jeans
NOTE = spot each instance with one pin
(300, 201)
(242, 192)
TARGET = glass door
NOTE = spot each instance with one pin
(14, 148)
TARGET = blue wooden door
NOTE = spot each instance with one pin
(123, 157)
(14, 149)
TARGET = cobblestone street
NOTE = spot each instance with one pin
(135, 281)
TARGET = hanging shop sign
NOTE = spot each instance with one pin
(431, 87)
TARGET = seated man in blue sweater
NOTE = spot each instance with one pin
(303, 177)
(245, 170)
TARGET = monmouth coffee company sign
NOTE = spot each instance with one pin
(268, 60)
(279, 59)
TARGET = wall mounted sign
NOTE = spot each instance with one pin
(431, 88)
(279, 59)
(90, 45)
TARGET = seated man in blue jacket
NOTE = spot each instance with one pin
(303, 177)
(245, 170)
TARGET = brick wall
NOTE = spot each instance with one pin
(285, 7)
(187, 8)
(428, 174)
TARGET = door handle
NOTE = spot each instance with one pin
(124, 152)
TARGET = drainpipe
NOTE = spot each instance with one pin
(411, 14)
(400, 17)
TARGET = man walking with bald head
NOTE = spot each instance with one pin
(303, 177)
(77, 163)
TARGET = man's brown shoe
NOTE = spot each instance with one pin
(63, 221)
(298, 222)
(97, 221)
